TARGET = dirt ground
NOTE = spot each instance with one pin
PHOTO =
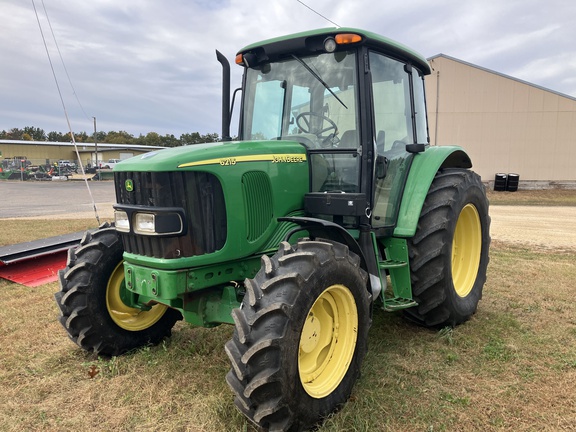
(541, 227)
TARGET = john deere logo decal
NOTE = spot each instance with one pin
(129, 185)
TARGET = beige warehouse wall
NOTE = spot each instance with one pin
(37, 152)
(506, 125)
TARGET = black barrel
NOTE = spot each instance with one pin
(500, 182)
(512, 183)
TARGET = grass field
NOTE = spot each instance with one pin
(512, 367)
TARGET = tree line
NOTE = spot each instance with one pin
(31, 133)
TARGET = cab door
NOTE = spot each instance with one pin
(399, 122)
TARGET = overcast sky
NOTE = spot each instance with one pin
(144, 65)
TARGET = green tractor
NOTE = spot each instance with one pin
(331, 203)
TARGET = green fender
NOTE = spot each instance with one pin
(424, 167)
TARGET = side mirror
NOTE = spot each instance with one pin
(381, 166)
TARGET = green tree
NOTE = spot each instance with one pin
(15, 134)
(112, 137)
(169, 140)
(120, 137)
(196, 138)
(36, 134)
(100, 136)
(211, 137)
(190, 138)
(81, 137)
(152, 139)
(56, 136)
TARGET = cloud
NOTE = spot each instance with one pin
(146, 66)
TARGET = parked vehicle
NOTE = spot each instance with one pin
(111, 163)
(65, 163)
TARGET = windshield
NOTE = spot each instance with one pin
(310, 99)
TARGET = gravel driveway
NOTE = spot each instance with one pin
(55, 200)
(542, 227)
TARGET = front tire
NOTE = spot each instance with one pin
(449, 253)
(300, 335)
(91, 300)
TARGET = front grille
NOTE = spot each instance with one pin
(199, 194)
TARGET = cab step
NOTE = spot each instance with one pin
(391, 264)
(397, 303)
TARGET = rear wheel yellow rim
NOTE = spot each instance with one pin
(328, 341)
(466, 250)
(124, 316)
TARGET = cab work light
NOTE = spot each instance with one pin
(331, 43)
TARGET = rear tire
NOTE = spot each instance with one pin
(90, 300)
(449, 253)
(300, 337)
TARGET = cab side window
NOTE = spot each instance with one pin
(392, 108)
(393, 129)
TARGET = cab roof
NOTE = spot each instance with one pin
(309, 42)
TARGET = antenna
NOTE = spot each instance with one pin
(318, 13)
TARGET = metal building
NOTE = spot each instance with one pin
(47, 152)
(507, 125)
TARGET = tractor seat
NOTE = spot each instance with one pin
(349, 139)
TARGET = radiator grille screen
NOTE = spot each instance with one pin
(199, 194)
(258, 198)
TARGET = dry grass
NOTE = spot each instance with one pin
(14, 231)
(512, 367)
(544, 197)
(45, 381)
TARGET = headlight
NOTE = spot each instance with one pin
(151, 221)
(158, 224)
(144, 223)
(122, 221)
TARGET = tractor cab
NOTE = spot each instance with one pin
(359, 111)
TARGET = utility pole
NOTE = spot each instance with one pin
(96, 145)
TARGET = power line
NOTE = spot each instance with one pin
(62, 60)
(66, 113)
(318, 13)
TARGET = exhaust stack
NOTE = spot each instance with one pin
(225, 96)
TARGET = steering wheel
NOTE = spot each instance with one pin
(304, 119)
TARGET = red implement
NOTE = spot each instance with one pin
(37, 262)
(35, 271)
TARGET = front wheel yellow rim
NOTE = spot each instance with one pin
(466, 250)
(328, 341)
(124, 316)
